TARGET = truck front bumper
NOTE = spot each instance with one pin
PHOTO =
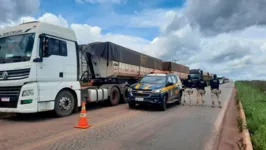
(20, 100)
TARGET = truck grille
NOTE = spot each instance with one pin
(141, 93)
(12, 93)
(14, 74)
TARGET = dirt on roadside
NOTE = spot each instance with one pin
(230, 134)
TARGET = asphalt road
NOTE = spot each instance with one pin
(180, 127)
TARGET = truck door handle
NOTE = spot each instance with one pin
(61, 74)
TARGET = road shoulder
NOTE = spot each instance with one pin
(230, 135)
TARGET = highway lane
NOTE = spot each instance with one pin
(180, 127)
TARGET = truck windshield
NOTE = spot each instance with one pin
(153, 79)
(195, 76)
(16, 48)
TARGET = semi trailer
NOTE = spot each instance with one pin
(42, 68)
(207, 77)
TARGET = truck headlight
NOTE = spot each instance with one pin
(29, 92)
(157, 91)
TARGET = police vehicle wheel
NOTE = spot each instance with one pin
(132, 105)
(64, 103)
(179, 98)
(125, 95)
(114, 96)
(163, 105)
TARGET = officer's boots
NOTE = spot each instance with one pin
(220, 105)
(212, 104)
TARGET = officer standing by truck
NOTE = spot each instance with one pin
(200, 86)
(188, 89)
(215, 91)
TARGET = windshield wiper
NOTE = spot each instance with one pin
(19, 58)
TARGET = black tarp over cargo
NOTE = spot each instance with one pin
(171, 66)
(111, 51)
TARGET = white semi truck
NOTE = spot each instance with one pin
(42, 68)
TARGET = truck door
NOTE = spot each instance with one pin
(50, 70)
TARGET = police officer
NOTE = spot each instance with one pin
(200, 86)
(215, 91)
(188, 89)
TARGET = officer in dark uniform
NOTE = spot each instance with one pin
(200, 86)
(215, 91)
(188, 89)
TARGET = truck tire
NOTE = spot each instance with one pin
(64, 103)
(125, 94)
(114, 96)
(164, 103)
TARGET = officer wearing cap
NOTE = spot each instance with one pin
(215, 91)
(188, 89)
(200, 86)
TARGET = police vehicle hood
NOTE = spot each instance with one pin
(146, 86)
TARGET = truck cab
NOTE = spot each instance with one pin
(195, 74)
(38, 69)
(156, 89)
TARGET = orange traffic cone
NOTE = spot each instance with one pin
(83, 122)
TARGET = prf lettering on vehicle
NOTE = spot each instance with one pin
(11, 33)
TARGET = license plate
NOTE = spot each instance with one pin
(139, 99)
(5, 99)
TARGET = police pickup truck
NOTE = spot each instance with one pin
(156, 89)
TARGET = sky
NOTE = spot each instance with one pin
(219, 36)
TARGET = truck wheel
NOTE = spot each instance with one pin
(64, 103)
(163, 105)
(125, 95)
(114, 96)
(132, 105)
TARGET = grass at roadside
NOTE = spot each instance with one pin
(253, 98)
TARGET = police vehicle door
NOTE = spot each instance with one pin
(176, 89)
(170, 90)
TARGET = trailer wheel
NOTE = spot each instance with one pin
(114, 96)
(64, 103)
(125, 94)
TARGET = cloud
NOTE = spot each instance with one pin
(86, 33)
(51, 18)
(229, 54)
(218, 36)
(216, 16)
(14, 9)
(99, 1)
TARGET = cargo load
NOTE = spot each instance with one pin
(181, 70)
(118, 61)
